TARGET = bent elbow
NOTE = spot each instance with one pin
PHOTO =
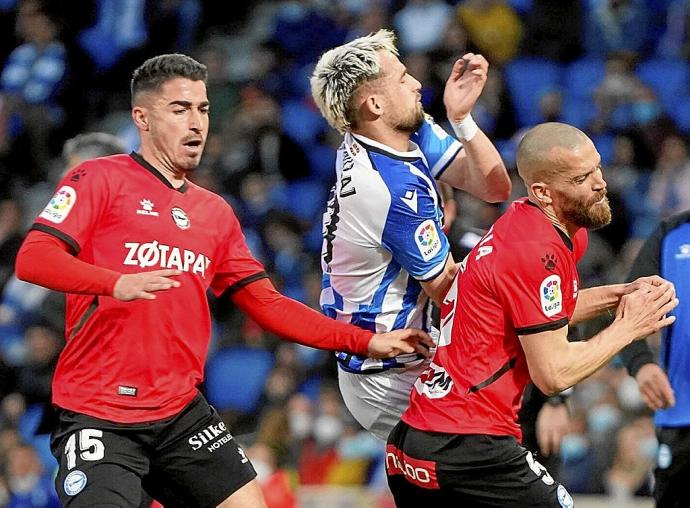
(549, 385)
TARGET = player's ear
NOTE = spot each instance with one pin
(541, 193)
(140, 118)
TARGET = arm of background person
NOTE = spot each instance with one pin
(478, 168)
(556, 364)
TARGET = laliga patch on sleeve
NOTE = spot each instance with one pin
(551, 295)
(60, 205)
(427, 239)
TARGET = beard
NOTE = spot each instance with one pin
(412, 121)
(587, 213)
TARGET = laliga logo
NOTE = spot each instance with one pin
(551, 291)
(61, 200)
(551, 295)
(427, 235)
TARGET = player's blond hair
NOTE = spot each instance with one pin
(340, 71)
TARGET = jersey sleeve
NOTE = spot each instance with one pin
(236, 267)
(413, 232)
(535, 288)
(439, 147)
(77, 205)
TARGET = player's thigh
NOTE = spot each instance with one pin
(202, 465)
(377, 401)
(672, 467)
(97, 466)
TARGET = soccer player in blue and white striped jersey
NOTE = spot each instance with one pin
(384, 252)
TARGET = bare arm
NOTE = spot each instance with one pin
(478, 169)
(556, 364)
(439, 285)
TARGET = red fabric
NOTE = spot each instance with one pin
(520, 279)
(277, 492)
(142, 360)
(45, 260)
(290, 319)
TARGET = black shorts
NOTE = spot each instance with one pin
(473, 471)
(672, 467)
(189, 460)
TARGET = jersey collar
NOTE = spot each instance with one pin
(566, 239)
(375, 146)
(148, 167)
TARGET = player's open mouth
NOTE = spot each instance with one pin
(193, 146)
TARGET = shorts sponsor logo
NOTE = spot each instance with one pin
(156, 254)
(664, 457)
(427, 239)
(180, 218)
(434, 382)
(60, 205)
(419, 472)
(75, 483)
(208, 437)
(564, 498)
(551, 295)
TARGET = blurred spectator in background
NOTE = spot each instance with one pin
(274, 480)
(11, 236)
(420, 24)
(616, 25)
(493, 28)
(553, 30)
(29, 485)
(675, 40)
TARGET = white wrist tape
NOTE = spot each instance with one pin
(465, 129)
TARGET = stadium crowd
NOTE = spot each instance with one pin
(618, 69)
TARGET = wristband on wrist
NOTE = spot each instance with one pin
(557, 400)
(465, 129)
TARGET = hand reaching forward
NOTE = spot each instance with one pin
(645, 309)
(654, 386)
(134, 286)
(464, 85)
(652, 280)
(390, 344)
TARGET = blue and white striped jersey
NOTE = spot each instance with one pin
(383, 235)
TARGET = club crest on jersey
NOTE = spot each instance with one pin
(60, 205)
(75, 483)
(180, 218)
(551, 295)
(434, 382)
(427, 239)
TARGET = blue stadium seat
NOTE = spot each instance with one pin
(305, 199)
(681, 113)
(605, 146)
(235, 377)
(527, 79)
(668, 79)
(581, 77)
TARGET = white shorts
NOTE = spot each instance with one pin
(378, 400)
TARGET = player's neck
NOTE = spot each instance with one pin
(553, 218)
(164, 167)
(397, 140)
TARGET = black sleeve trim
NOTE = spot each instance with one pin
(545, 327)
(448, 163)
(432, 277)
(247, 280)
(59, 235)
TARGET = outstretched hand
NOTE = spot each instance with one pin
(397, 342)
(465, 85)
(135, 286)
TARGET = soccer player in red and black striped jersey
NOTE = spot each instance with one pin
(505, 320)
(135, 246)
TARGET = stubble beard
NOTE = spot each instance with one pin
(412, 122)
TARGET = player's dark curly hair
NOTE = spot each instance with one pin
(157, 70)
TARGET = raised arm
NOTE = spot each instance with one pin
(478, 169)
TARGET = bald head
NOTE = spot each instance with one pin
(544, 150)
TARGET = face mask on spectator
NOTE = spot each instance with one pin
(602, 418)
(263, 470)
(573, 447)
(628, 394)
(300, 424)
(649, 447)
(23, 484)
(327, 429)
